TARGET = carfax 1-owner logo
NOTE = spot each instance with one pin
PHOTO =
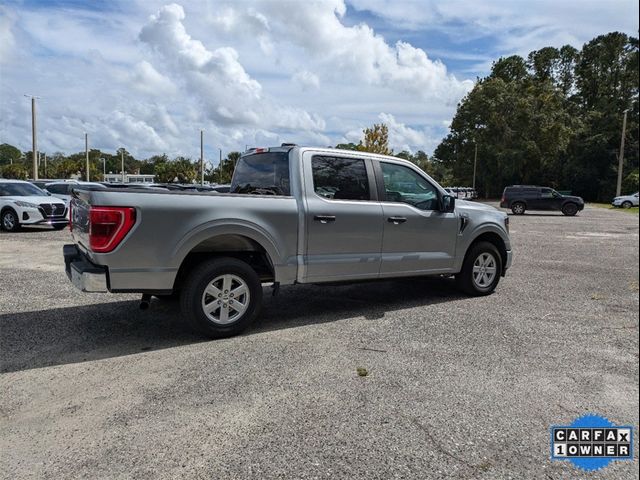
(591, 442)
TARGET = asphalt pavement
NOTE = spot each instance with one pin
(455, 387)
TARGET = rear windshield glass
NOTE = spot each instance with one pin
(262, 173)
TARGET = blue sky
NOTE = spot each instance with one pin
(149, 74)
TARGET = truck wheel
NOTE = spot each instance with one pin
(518, 208)
(10, 221)
(570, 209)
(221, 297)
(481, 270)
(626, 204)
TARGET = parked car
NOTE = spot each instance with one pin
(22, 203)
(626, 201)
(520, 198)
(294, 215)
(62, 189)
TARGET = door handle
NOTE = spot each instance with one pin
(325, 218)
(396, 220)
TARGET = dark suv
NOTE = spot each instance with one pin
(520, 198)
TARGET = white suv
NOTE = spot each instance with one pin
(626, 201)
(22, 203)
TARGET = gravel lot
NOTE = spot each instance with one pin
(457, 387)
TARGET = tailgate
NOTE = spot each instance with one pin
(80, 218)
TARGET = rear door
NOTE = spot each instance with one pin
(343, 218)
(418, 238)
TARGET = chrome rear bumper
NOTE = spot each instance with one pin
(84, 275)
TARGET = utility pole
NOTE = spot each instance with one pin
(104, 167)
(202, 157)
(122, 163)
(45, 165)
(621, 158)
(34, 138)
(86, 153)
(475, 164)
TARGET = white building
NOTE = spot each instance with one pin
(129, 178)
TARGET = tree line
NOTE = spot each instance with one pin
(554, 119)
(19, 165)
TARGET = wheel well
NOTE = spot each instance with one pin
(4, 209)
(228, 245)
(496, 240)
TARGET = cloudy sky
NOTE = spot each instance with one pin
(148, 74)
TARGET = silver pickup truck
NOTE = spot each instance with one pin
(293, 215)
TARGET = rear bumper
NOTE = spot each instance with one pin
(83, 274)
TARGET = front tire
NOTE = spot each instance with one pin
(9, 221)
(481, 270)
(221, 297)
(518, 208)
(59, 227)
(626, 204)
(569, 209)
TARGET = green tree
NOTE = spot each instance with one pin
(179, 170)
(553, 120)
(9, 154)
(16, 171)
(376, 140)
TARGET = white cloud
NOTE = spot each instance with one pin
(306, 79)
(7, 40)
(148, 76)
(355, 52)
(217, 78)
(147, 79)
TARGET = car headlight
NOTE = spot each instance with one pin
(23, 204)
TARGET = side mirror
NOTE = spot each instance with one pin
(448, 203)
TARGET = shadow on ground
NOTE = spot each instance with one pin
(92, 332)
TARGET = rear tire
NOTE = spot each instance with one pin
(569, 209)
(518, 208)
(221, 297)
(481, 270)
(9, 221)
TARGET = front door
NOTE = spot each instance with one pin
(343, 218)
(418, 238)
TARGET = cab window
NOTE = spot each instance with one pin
(338, 178)
(402, 184)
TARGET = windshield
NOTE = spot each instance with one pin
(20, 190)
(263, 174)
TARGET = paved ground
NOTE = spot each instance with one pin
(457, 387)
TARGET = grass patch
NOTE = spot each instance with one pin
(632, 210)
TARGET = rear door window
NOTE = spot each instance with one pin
(337, 178)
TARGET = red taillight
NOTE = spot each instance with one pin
(108, 226)
(503, 199)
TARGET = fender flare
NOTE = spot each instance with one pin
(226, 227)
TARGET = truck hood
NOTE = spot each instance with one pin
(466, 205)
(575, 199)
(34, 199)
